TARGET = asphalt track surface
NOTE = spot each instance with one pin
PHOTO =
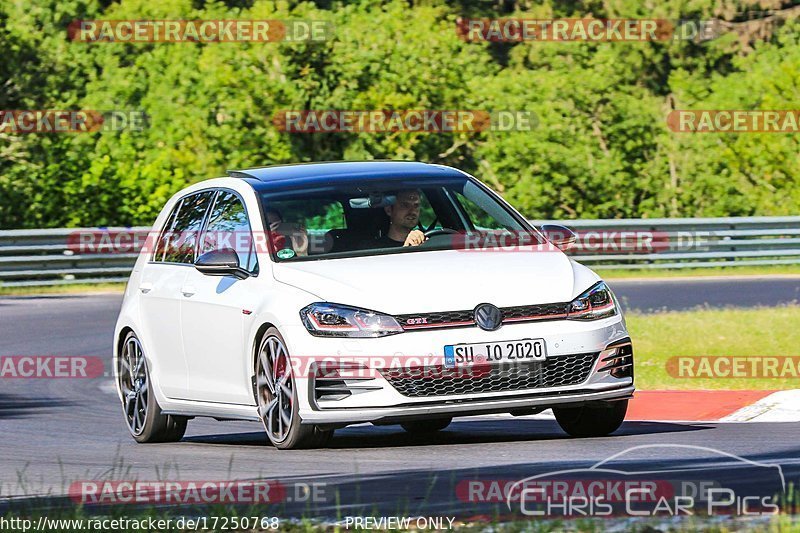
(57, 431)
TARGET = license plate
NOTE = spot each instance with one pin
(521, 351)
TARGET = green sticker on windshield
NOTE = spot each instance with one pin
(286, 253)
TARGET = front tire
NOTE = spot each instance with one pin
(146, 422)
(422, 427)
(588, 421)
(276, 397)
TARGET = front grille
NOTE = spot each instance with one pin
(535, 312)
(556, 371)
(520, 313)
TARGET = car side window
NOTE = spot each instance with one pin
(182, 237)
(427, 216)
(477, 215)
(229, 227)
(164, 236)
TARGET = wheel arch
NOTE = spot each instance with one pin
(262, 329)
(259, 335)
(118, 344)
(152, 365)
(121, 339)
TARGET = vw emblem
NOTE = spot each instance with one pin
(488, 317)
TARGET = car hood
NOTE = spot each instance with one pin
(448, 280)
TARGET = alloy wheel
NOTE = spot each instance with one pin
(275, 389)
(133, 382)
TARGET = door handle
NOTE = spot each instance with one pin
(188, 291)
(146, 287)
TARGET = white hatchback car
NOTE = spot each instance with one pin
(286, 295)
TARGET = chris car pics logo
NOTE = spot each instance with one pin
(656, 480)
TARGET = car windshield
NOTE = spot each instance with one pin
(374, 217)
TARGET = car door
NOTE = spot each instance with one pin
(213, 310)
(160, 287)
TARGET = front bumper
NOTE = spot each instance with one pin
(372, 398)
(541, 399)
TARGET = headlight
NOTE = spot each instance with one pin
(335, 320)
(597, 302)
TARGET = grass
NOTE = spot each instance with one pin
(77, 288)
(612, 273)
(769, 331)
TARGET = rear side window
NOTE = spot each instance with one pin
(178, 241)
(163, 238)
(229, 227)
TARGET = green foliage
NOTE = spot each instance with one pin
(601, 147)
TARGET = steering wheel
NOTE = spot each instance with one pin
(439, 231)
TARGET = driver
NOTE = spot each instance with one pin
(403, 218)
(280, 231)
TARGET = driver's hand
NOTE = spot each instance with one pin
(415, 238)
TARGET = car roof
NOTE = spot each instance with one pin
(309, 174)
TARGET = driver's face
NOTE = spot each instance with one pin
(405, 211)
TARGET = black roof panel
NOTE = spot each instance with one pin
(309, 174)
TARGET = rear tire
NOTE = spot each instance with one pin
(276, 397)
(145, 419)
(422, 427)
(588, 421)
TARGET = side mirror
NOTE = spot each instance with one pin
(223, 262)
(561, 236)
